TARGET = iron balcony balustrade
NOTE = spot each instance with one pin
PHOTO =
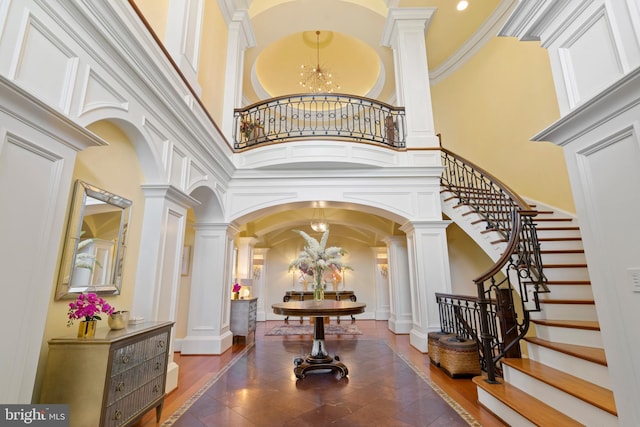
(497, 318)
(319, 115)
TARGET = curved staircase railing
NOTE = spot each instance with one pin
(496, 318)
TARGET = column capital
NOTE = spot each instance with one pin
(405, 18)
(411, 227)
(169, 192)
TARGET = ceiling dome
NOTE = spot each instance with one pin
(355, 66)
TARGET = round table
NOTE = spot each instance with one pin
(318, 358)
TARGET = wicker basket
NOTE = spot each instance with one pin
(459, 357)
(433, 345)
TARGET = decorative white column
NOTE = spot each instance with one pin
(239, 38)
(208, 326)
(159, 262)
(429, 273)
(381, 275)
(404, 32)
(399, 290)
(259, 273)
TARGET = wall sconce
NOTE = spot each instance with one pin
(257, 268)
(383, 267)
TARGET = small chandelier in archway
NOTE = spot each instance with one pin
(318, 221)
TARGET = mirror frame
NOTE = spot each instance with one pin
(77, 212)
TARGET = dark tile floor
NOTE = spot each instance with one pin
(260, 389)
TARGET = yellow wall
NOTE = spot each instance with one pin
(96, 165)
(488, 110)
(155, 12)
(467, 261)
(213, 55)
(213, 49)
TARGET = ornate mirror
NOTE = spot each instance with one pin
(95, 242)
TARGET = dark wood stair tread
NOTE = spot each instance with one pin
(563, 219)
(593, 394)
(568, 282)
(590, 354)
(558, 228)
(565, 265)
(568, 301)
(534, 410)
(558, 239)
(588, 325)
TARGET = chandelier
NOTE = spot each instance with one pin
(318, 221)
(316, 78)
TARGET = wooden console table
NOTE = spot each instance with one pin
(318, 358)
(328, 295)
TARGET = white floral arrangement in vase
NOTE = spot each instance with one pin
(319, 262)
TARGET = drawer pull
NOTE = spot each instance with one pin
(117, 415)
(156, 388)
(160, 344)
(120, 386)
(158, 365)
(125, 359)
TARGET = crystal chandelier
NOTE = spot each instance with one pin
(316, 78)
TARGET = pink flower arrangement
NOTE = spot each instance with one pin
(236, 287)
(88, 307)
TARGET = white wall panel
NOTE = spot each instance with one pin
(590, 59)
(43, 64)
(610, 178)
(27, 216)
(177, 172)
(97, 93)
(196, 175)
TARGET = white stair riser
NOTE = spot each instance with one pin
(563, 258)
(502, 411)
(588, 371)
(550, 232)
(567, 312)
(566, 273)
(580, 292)
(550, 245)
(584, 337)
(571, 406)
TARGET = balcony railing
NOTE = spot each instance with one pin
(313, 116)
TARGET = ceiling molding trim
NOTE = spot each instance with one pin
(531, 19)
(477, 41)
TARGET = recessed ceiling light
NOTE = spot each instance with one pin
(462, 5)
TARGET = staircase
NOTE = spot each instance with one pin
(562, 379)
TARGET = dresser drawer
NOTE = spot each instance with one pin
(122, 411)
(124, 383)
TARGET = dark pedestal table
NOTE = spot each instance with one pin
(319, 358)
